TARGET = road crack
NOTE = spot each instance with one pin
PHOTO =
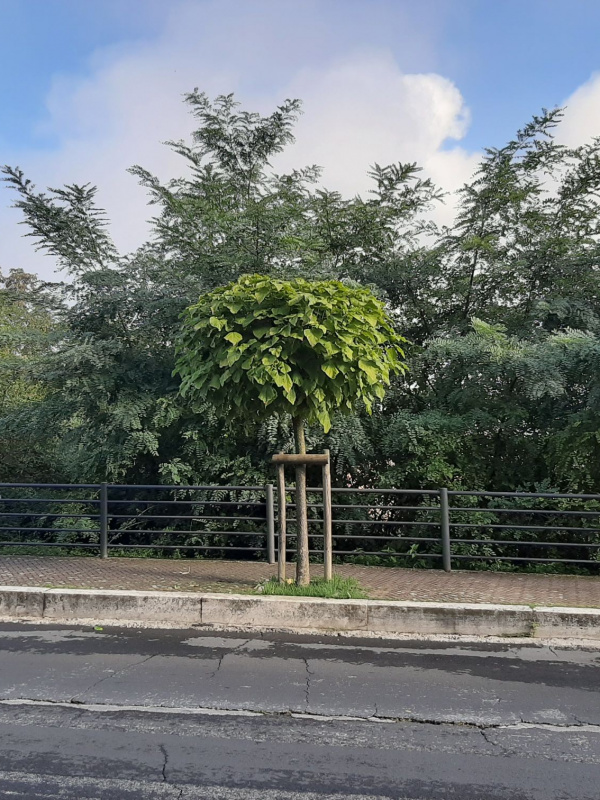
(558, 656)
(165, 755)
(227, 653)
(581, 721)
(82, 707)
(308, 677)
(74, 699)
(485, 733)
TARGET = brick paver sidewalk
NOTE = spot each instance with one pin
(241, 576)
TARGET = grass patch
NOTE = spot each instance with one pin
(337, 588)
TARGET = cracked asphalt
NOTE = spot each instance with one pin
(138, 713)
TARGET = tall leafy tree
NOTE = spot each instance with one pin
(109, 381)
(302, 349)
(525, 241)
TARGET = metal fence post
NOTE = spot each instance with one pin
(270, 523)
(104, 520)
(327, 533)
(445, 526)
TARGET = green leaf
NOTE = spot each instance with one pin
(234, 337)
(262, 331)
(310, 337)
(232, 357)
(217, 323)
(324, 419)
(370, 370)
(290, 395)
(330, 370)
(267, 394)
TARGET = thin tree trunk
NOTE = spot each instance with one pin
(473, 271)
(471, 283)
(302, 564)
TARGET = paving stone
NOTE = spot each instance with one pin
(381, 583)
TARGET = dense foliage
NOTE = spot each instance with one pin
(502, 310)
(299, 348)
(27, 328)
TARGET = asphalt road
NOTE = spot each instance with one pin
(129, 713)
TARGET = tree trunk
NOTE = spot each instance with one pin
(302, 564)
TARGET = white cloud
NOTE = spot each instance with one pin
(360, 108)
(581, 122)
(364, 110)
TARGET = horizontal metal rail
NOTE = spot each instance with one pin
(373, 553)
(154, 532)
(95, 486)
(88, 545)
(368, 507)
(533, 543)
(191, 517)
(498, 526)
(179, 547)
(362, 490)
(549, 495)
(394, 539)
(136, 487)
(385, 553)
(546, 511)
(48, 500)
(45, 515)
(525, 558)
(372, 522)
(15, 528)
(389, 508)
(137, 502)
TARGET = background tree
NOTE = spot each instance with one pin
(302, 349)
(109, 390)
(27, 331)
(489, 402)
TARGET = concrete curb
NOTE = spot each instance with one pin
(374, 617)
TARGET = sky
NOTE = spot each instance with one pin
(90, 87)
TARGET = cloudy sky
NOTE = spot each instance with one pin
(90, 87)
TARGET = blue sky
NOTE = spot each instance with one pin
(88, 87)
(512, 58)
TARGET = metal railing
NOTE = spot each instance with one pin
(227, 521)
(446, 528)
(404, 527)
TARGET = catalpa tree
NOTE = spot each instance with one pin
(260, 346)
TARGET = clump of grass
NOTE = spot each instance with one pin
(337, 588)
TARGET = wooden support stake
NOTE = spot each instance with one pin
(282, 523)
(327, 533)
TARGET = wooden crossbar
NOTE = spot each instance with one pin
(301, 458)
